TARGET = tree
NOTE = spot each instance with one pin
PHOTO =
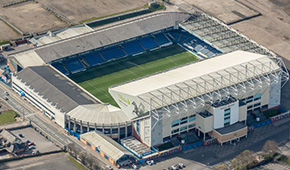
(221, 167)
(242, 160)
(270, 147)
(83, 157)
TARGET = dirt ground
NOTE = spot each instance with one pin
(47, 162)
(7, 33)
(76, 10)
(30, 17)
(225, 10)
(272, 29)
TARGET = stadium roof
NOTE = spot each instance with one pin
(202, 77)
(99, 114)
(103, 37)
(55, 87)
(105, 144)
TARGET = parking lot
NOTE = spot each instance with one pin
(41, 143)
(164, 163)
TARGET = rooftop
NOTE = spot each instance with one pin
(198, 70)
(232, 128)
(99, 38)
(105, 144)
(56, 87)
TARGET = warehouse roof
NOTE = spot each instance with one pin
(103, 37)
(105, 144)
(55, 87)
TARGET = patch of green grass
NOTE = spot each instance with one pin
(271, 113)
(76, 163)
(7, 117)
(118, 13)
(165, 146)
(130, 68)
(4, 42)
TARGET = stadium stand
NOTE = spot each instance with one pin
(112, 52)
(161, 38)
(148, 43)
(93, 58)
(133, 47)
(74, 65)
(60, 67)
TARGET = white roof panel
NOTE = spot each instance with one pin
(192, 71)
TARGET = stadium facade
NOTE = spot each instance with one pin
(211, 97)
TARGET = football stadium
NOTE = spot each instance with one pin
(163, 79)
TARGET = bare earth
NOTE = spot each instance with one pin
(7, 33)
(225, 10)
(47, 162)
(30, 17)
(76, 10)
(272, 29)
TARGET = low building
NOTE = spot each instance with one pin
(106, 147)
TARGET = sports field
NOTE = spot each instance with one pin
(131, 68)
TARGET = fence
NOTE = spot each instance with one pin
(263, 123)
(280, 117)
(194, 145)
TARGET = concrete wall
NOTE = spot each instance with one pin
(130, 105)
(230, 136)
(204, 124)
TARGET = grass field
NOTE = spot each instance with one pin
(77, 164)
(131, 68)
(7, 117)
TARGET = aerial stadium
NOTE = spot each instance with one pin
(150, 81)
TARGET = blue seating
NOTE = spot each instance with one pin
(73, 65)
(93, 58)
(148, 42)
(112, 52)
(205, 50)
(198, 47)
(175, 35)
(133, 47)
(184, 36)
(210, 54)
(161, 38)
(60, 68)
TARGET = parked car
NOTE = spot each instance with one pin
(174, 167)
(109, 167)
(31, 143)
(37, 151)
(31, 147)
(134, 166)
(149, 163)
(6, 93)
(181, 165)
(20, 135)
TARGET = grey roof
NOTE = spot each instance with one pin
(109, 35)
(55, 87)
(9, 136)
(106, 144)
(231, 128)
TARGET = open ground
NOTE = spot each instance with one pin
(131, 68)
(30, 17)
(47, 162)
(7, 33)
(76, 10)
(271, 29)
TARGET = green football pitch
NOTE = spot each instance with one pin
(98, 79)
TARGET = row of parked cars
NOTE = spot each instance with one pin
(177, 166)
